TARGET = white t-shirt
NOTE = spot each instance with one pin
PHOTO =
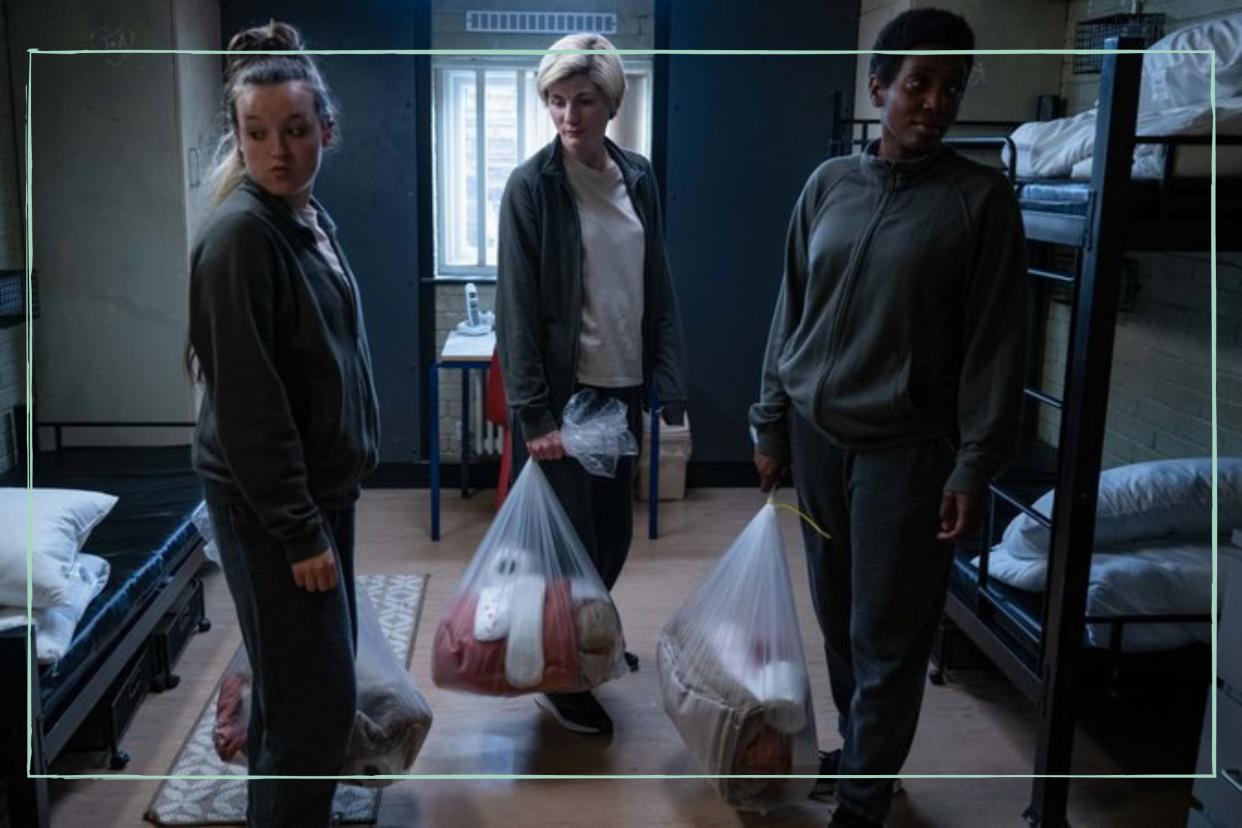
(311, 219)
(610, 349)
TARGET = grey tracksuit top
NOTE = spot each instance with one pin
(902, 312)
(289, 421)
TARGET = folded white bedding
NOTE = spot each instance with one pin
(56, 625)
(1063, 148)
(1141, 578)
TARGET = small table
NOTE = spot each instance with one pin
(463, 353)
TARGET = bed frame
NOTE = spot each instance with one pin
(89, 685)
(1052, 664)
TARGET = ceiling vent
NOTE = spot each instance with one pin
(531, 22)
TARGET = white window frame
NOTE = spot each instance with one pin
(443, 69)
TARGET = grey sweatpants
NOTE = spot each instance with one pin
(301, 646)
(878, 588)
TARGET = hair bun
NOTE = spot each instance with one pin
(274, 37)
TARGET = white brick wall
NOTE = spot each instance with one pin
(1160, 401)
(451, 309)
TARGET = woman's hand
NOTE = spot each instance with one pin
(959, 515)
(547, 447)
(769, 469)
(317, 574)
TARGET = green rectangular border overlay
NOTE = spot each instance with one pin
(538, 53)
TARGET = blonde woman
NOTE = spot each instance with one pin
(288, 425)
(585, 299)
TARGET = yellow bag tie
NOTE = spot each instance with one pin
(799, 513)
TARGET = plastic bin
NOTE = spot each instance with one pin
(674, 454)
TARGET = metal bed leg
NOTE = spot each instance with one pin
(943, 655)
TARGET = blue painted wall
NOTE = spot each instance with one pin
(368, 184)
(743, 133)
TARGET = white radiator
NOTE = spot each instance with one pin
(486, 438)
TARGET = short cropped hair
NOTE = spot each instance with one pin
(920, 29)
(605, 71)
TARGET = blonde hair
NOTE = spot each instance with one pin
(605, 71)
(259, 69)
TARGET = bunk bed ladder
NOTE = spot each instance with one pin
(1090, 354)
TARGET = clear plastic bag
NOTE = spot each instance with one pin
(530, 614)
(202, 522)
(390, 725)
(733, 673)
(594, 431)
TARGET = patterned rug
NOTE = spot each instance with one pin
(398, 600)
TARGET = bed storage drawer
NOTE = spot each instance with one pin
(1221, 797)
(114, 712)
(173, 632)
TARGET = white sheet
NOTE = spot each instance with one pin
(55, 626)
(1146, 578)
(1064, 147)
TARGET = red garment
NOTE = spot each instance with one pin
(496, 410)
(769, 752)
(462, 663)
(231, 729)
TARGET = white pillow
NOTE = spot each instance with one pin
(62, 521)
(1145, 501)
(55, 626)
(1181, 79)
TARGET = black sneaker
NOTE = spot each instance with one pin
(845, 818)
(826, 786)
(577, 712)
(631, 661)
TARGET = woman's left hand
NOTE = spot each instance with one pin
(317, 574)
(547, 447)
(959, 515)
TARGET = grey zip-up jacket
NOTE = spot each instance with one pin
(289, 421)
(902, 313)
(539, 290)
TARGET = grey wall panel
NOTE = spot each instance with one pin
(368, 184)
(743, 134)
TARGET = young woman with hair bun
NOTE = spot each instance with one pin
(288, 425)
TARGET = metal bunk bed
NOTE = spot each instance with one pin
(129, 636)
(1042, 648)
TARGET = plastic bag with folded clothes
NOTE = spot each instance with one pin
(530, 614)
(733, 674)
(595, 432)
(391, 722)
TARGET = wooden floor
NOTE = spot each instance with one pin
(978, 724)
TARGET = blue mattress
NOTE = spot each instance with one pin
(144, 538)
(1073, 197)
(1022, 610)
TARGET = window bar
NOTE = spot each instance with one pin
(480, 151)
(521, 115)
(441, 207)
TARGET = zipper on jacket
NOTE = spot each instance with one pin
(350, 289)
(576, 319)
(847, 291)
